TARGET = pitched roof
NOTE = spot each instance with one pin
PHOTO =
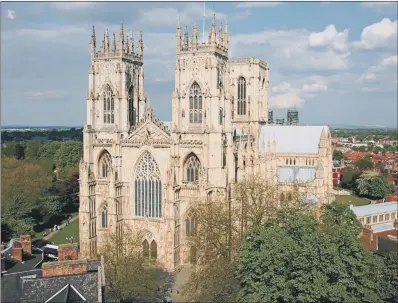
(67, 294)
(292, 139)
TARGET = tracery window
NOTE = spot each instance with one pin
(154, 250)
(105, 163)
(241, 96)
(195, 104)
(109, 105)
(131, 111)
(145, 248)
(192, 168)
(148, 188)
(104, 217)
(190, 225)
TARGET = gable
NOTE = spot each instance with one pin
(149, 134)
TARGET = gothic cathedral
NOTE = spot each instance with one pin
(140, 172)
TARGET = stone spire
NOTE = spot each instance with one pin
(178, 36)
(213, 31)
(140, 48)
(93, 43)
(186, 38)
(127, 48)
(121, 40)
(221, 35)
(103, 48)
(132, 43)
(226, 37)
(194, 40)
(107, 42)
(114, 44)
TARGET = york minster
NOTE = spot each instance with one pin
(140, 172)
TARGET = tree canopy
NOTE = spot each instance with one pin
(365, 163)
(277, 260)
(372, 185)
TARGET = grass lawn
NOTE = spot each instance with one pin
(351, 200)
(72, 230)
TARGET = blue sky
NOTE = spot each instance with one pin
(336, 62)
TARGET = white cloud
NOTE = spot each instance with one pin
(329, 37)
(72, 6)
(46, 94)
(169, 15)
(11, 14)
(390, 61)
(282, 88)
(286, 100)
(289, 96)
(367, 77)
(381, 6)
(380, 34)
(257, 4)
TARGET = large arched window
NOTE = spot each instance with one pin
(154, 250)
(195, 104)
(241, 96)
(148, 188)
(192, 167)
(105, 163)
(131, 111)
(104, 217)
(109, 105)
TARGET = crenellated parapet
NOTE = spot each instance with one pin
(123, 48)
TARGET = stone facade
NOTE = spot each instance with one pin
(140, 172)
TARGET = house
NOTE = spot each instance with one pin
(70, 279)
(381, 237)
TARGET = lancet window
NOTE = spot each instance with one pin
(104, 217)
(241, 96)
(195, 104)
(109, 105)
(131, 111)
(148, 188)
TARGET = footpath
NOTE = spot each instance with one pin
(60, 228)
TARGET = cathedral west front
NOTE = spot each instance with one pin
(141, 172)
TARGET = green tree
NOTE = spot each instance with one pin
(337, 215)
(48, 151)
(17, 214)
(349, 177)
(19, 152)
(364, 164)
(372, 185)
(389, 284)
(337, 155)
(69, 154)
(32, 149)
(127, 270)
(294, 259)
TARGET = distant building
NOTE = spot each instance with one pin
(292, 117)
(270, 117)
(372, 214)
(381, 237)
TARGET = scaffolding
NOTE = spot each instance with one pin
(292, 117)
(270, 117)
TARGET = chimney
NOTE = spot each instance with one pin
(68, 252)
(26, 243)
(16, 251)
(65, 268)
